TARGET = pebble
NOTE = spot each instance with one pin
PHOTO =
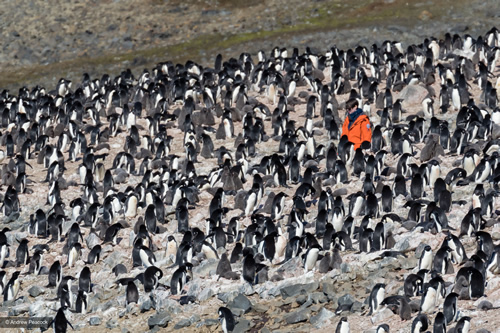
(298, 316)
(240, 302)
(160, 319)
(297, 289)
(322, 318)
(95, 321)
(35, 291)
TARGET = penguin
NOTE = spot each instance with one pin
(439, 323)
(146, 256)
(60, 323)
(426, 259)
(476, 284)
(387, 199)
(111, 233)
(463, 325)
(420, 323)
(12, 287)
(131, 293)
(224, 268)
(382, 328)
(55, 274)
(179, 279)
(226, 319)
(64, 292)
(36, 262)
(250, 202)
(428, 301)
(278, 205)
(94, 255)
(171, 248)
(182, 215)
(343, 326)
(404, 309)
(377, 295)
(441, 262)
(249, 268)
(119, 269)
(310, 257)
(413, 285)
(74, 253)
(81, 304)
(152, 275)
(84, 281)
(22, 253)
(236, 253)
(450, 309)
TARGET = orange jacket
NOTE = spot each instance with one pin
(360, 131)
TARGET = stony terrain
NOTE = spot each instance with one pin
(291, 301)
(43, 41)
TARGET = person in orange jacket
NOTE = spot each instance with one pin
(357, 124)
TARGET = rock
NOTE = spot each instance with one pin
(204, 268)
(413, 95)
(261, 308)
(161, 302)
(402, 245)
(112, 323)
(240, 302)
(298, 316)
(115, 258)
(92, 240)
(146, 305)
(205, 294)
(35, 290)
(242, 326)
(345, 268)
(18, 309)
(227, 296)
(160, 319)
(208, 322)
(347, 299)
(382, 315)
(322, 318)
(182, 323)
(297, 289)
(357, 306)
(301, 299)
(95, 321)
(318, 297)
(36, 308)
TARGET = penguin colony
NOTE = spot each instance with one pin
(255, 146)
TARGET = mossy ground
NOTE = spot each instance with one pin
(322, 15)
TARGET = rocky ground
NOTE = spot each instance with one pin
(291, 301)
(44, 41)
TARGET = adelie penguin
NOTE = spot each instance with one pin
(111, 234)
(94, 255)
(55, 274)
(179, 279)
(84, 280)
(377, 295)
(131, 293)
(343, 326)
(12, 287)
(311, 257)
(60, 323)
(22, 253)
(152, 275)
(226, 319)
